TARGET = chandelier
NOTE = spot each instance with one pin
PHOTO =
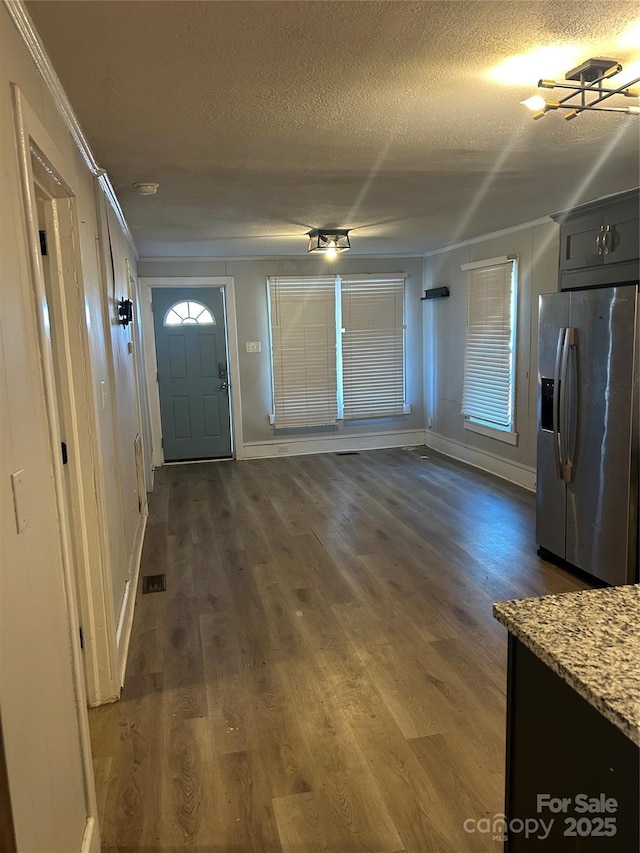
(586, 91)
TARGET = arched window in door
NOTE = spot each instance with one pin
(189, 313)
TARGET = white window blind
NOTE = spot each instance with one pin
(489, 352)
(303, 343)
(372, 347)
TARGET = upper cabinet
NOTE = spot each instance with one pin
(600, 242)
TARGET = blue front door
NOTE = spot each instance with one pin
(193, 378)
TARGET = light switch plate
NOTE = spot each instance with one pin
(253, 346)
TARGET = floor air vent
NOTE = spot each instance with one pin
(154, 583)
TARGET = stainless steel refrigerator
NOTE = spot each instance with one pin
(588, 412)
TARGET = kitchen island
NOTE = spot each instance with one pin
(573, 721)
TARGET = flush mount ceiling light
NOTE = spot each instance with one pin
(586, 91)
(330, 241)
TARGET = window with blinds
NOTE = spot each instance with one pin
(489, 363)
(303, 351)
(337, 349)
(372, 347)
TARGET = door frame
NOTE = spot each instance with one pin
(30, 131)
(151, 362)
(144, 416)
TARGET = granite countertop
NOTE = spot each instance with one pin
(591, 639)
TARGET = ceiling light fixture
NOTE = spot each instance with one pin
(330, 241)
(585, 80)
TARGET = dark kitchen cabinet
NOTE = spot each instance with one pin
(561, 748)
(600, 242)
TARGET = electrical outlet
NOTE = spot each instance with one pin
(253, 346)
(283, 448)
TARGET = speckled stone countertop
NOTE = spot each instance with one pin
(591, 639)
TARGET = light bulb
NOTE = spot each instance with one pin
(535, 102)
(331, 249)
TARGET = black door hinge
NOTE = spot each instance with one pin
(65, 456)
(81, 638)
(43, 242)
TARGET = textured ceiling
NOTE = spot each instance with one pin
(261, 120)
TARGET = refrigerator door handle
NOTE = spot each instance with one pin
(556, 405)
(571, 341)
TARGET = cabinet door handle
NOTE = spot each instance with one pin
(606, 242)
(600, 240)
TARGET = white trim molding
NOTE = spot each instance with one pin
(512, 229)
(507, 436)
(90, 837)
(489, 262)
(331, 444)
(514, 472)
(125, 619)
(223, 259)
(25, 27)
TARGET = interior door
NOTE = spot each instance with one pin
(193, 379)
(47, 227)
(601, 372)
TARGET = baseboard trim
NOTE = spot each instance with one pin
(334, 444)
(514, 472)
(125, 621)
(90, 837)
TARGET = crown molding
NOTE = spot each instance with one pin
(490, 236)
(530, 224)
(208, 259)
(30, 37)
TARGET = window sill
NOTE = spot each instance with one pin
(405, 411)
(491, 432)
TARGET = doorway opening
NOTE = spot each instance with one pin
(193, 377)
(191, 352)
(69, 404)
(53, 240)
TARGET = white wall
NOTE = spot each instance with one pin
(536, 247)
(42, 699)
(121, 508)
(253, 325)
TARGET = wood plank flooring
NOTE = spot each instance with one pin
(323, 672)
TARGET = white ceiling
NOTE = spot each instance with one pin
(261, 120)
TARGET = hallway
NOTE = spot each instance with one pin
(323, 671)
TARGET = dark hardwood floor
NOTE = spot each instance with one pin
(323, 672)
